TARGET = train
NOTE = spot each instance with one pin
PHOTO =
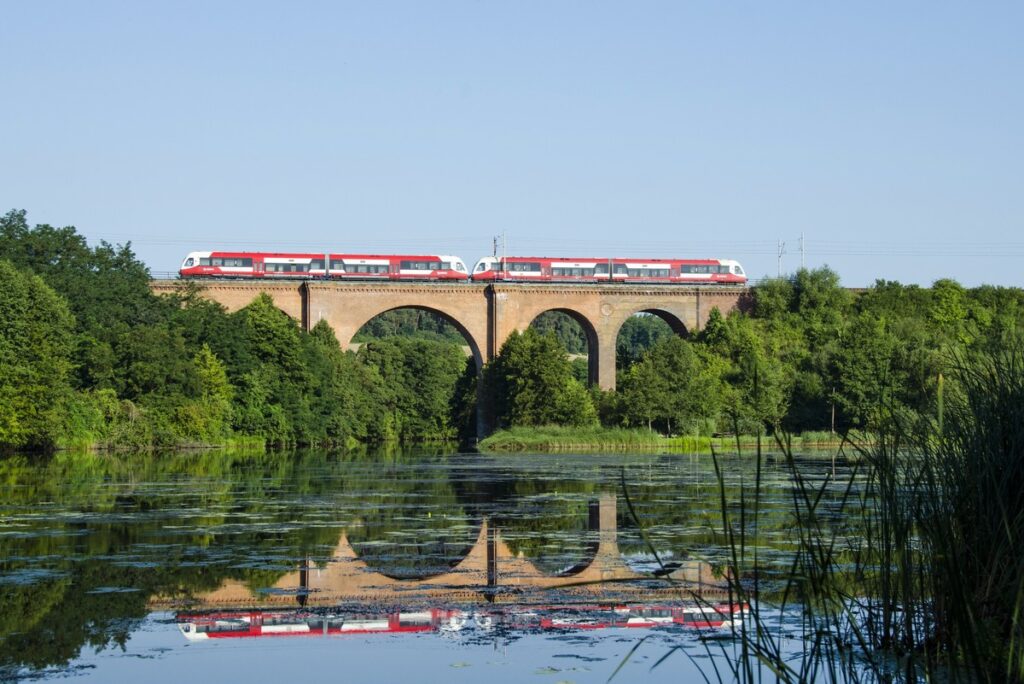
(450, 268)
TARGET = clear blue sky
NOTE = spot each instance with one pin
(890, 134)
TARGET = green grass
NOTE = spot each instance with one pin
(555, 439)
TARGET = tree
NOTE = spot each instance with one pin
(639, 333)
(418, 378)
(530, 383)
(564, 327)
(35, 353)
(208, 417)
(674, 385)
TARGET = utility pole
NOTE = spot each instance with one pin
(782, 250)
(501, 260)
(802, 265)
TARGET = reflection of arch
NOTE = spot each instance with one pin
(474, 347)
(477, 528)
(588, 332)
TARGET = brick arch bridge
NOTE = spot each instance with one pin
(486, 314)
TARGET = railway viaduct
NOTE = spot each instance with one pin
(486, 314)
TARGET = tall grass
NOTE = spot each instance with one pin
(932, 586)
(557, 438)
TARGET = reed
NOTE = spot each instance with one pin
(933, 586)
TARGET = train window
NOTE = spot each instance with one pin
(421, 266)
(316, 265)
(233, 262)
(480, 267)
(648, 272)
(620, 269)
(446, 265)
(737, 270)
(189, 262)
(204, 261)
(601, 269)
(521, 267)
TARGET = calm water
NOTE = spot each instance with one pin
(369, 567)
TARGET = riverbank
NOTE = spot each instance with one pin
(556, 439)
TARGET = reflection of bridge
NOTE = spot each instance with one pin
(486, 314)
(487, 572)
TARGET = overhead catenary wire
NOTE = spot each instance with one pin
(810, 248)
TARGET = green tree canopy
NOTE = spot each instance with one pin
(35, 353)
(531, 382)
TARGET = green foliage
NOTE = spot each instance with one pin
(98, 359)
(35, 351)
(530, 382)
(90, 356)
(932, 581)
(565, 328)
(418, 381)
(419, 323)
(639, 333)
(675, 387)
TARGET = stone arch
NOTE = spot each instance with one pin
(675, 322)
(347, 329)
(589, 331)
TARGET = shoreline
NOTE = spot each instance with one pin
(556, 439)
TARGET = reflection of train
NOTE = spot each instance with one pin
(452, 268)
(254, 623)
(303, 622)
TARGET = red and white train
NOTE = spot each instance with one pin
(323, 265)
(452, 268)
(559, 269)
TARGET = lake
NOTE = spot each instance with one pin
(378, 566)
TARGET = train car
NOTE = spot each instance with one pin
(323, 265)
(615, 270)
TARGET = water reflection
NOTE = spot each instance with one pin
(90, 545)
(506, 621)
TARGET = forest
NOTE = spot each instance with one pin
(89, 357)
